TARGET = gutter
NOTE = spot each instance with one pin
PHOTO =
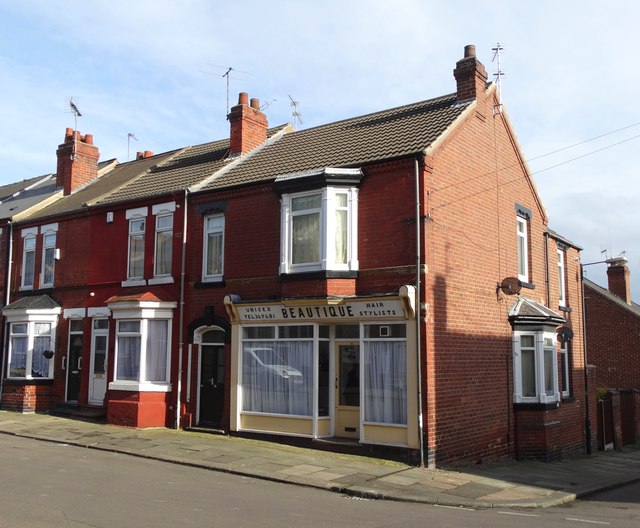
(181, 309)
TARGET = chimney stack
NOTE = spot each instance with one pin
(248, 126)
(618, 275)
(471, 77)
(143, 155)
(77, 161)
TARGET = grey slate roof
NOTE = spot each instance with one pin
(37, 302)
(388, 134)
(526, 310)
(633, 307)
(23, 195)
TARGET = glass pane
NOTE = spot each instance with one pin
(278, 380)
(100, 324)
(214, 336)
(19, 328)
(385, 382)
(39, 363)
(129, 326)
(164, 240)
(324, 332)
(528, 367)
(215, 223)
(128, 358)
(549, 356)
(136, 256)
(100, 354)
(157, 349)
(349, 375)
(527, 341)
(164, 222)
(214, 254)
(341, 237)
(384, 331)
(29, 244)
(324, 383)
(295, 332)
(29, 267)
(42, 329)
(259, 332)
(136, 227)
(565, 368)
(347, 331)
(341, 200)
(303, 203)
(49, 263)
(305, 239)
(18, 364)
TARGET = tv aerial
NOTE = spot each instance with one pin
(297, 116)
(227, 76)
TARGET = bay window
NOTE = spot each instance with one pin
(536, 367)
(31, 349)
(143, 345)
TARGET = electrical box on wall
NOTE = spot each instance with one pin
(110, 217)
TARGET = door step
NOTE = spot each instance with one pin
(81, 412)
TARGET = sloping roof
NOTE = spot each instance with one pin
(388, 134)
(526, 310)
(37, 302)
(22, 196)
(633, 307)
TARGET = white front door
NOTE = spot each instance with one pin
(98, 373)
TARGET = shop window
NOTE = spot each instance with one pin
(385, 374)
(536, 367)
(277, 374)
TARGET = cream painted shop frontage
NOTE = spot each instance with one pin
(338, 367)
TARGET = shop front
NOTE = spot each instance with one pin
(322, 368)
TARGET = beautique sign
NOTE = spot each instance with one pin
(354, 310)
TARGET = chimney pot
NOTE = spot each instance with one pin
(469, 50)
(255, 103)
(88, 139)
(243, 98)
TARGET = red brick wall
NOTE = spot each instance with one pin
(613, 333)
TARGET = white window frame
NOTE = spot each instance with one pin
(523, 248)
(161, 211)
(562, 285)
(31, 320)
(217, 229)
(48, 250)
(564, 372)
(133, 216)
(540, 348)
(29, 236)
(327, 229)
(142, 312)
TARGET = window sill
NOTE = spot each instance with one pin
(321, 274)
(211, 283)
(136, 386)
(133, 282)
(568, 399)
(161, 280)
(28, 381)
(524, 406)
(528, 285)
(565, 309)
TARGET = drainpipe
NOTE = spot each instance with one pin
(7, 300)
(418, 308)
(181, 309)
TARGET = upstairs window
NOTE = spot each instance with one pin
(28, 260)
(164, 245)
(49, 252)
(163, 255)
(523, 249)
(320, 230)
(137, 227)
(562, 294)
(212, 267)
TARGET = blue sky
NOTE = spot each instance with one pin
(154, 68)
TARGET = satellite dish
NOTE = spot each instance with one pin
(565, 334)
(511, 285)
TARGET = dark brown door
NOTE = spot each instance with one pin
(74, 360)
(212, 367)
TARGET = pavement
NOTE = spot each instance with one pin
(527, 484)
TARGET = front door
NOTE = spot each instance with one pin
(347, 396)
(212, 367)
(74, 359)
(98, 376)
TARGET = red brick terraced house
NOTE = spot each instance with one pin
(613, 329)
(388, 280)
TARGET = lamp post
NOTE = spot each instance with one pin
(587, 420)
